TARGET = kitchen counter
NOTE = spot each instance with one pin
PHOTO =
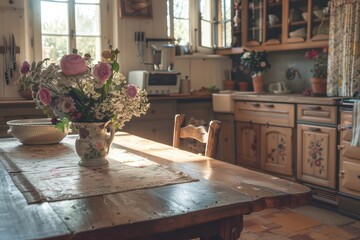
(286, 98)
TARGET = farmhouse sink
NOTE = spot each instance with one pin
(223, 101)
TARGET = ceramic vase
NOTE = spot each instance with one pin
(318, 86)
(243, 86)
(229, 85)
(26, 93)
(258, 83)
(94, 142)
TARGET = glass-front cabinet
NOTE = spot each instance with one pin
(308, 21)
(274, 25)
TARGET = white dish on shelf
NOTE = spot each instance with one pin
(282, 92)
(35, 131)
(301, 32)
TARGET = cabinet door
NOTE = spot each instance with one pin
(226, 146)
(276, 149)
(317, 155)
(273, 19)
(254, 22)
(350, 170)
(248, 144)
(308, 21)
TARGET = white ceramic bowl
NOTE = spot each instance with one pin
(35, 131)
(273, 19)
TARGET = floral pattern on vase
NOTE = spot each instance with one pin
(94, 142)
(315, 154)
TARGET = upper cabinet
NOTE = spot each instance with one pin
(274, 25)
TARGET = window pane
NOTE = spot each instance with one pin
(87, 19)
(54, 18)
(89, 45)
(87, 1)
(181, 9)
(205, 9)
(54, 47)
(181, 31)
(206, 34)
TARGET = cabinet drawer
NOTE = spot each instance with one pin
(316, 114)
(265, 113)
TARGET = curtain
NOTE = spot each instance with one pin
(344, 48)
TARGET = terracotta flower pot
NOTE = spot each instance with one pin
(258, 82)
(229, 84)
(318, 86)
(243, 86)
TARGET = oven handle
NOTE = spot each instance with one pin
(342, 127)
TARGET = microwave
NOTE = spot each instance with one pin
(156, 82)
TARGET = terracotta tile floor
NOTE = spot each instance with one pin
(302, 223)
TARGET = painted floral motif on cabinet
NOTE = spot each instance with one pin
(278, 150)
(315, 154)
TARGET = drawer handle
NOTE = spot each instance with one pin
(269, 105)
(358, 176)
(255, 104)
(342, 174)
(314, 107)
(340, 147)
(314, 129)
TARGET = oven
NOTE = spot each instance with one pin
(349, 164)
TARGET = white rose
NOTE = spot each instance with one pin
(246, 55)
(262, 64)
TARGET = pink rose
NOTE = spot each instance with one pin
(45, 96)
(102, 72)
(25, 67)
(131, 91)
(73, 64)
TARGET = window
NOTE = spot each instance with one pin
(209, 19)
(179, 18)
(69, 24)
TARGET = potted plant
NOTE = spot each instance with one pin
(318, 80)
(257, 63)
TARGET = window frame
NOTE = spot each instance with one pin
(36, 41)
(195, 25)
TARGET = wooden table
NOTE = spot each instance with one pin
(211, 208)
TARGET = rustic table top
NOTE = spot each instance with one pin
(224, 191)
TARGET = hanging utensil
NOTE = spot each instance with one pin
(13, 52)
(6, 74)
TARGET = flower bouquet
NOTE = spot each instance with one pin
(95, 98)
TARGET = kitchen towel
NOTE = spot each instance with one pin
(355, 140)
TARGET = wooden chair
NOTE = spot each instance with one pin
(208, 137)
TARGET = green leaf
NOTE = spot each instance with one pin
(115, 66)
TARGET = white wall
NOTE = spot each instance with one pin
(203, 71)
(11, 22)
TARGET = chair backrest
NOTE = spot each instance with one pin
(208, 136)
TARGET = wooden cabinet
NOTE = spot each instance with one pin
(226, 144)
(264, 136)
(277, 149)
(248, 144)
(317, 137)
(157, 124)
(274, 25)
(317, 155)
